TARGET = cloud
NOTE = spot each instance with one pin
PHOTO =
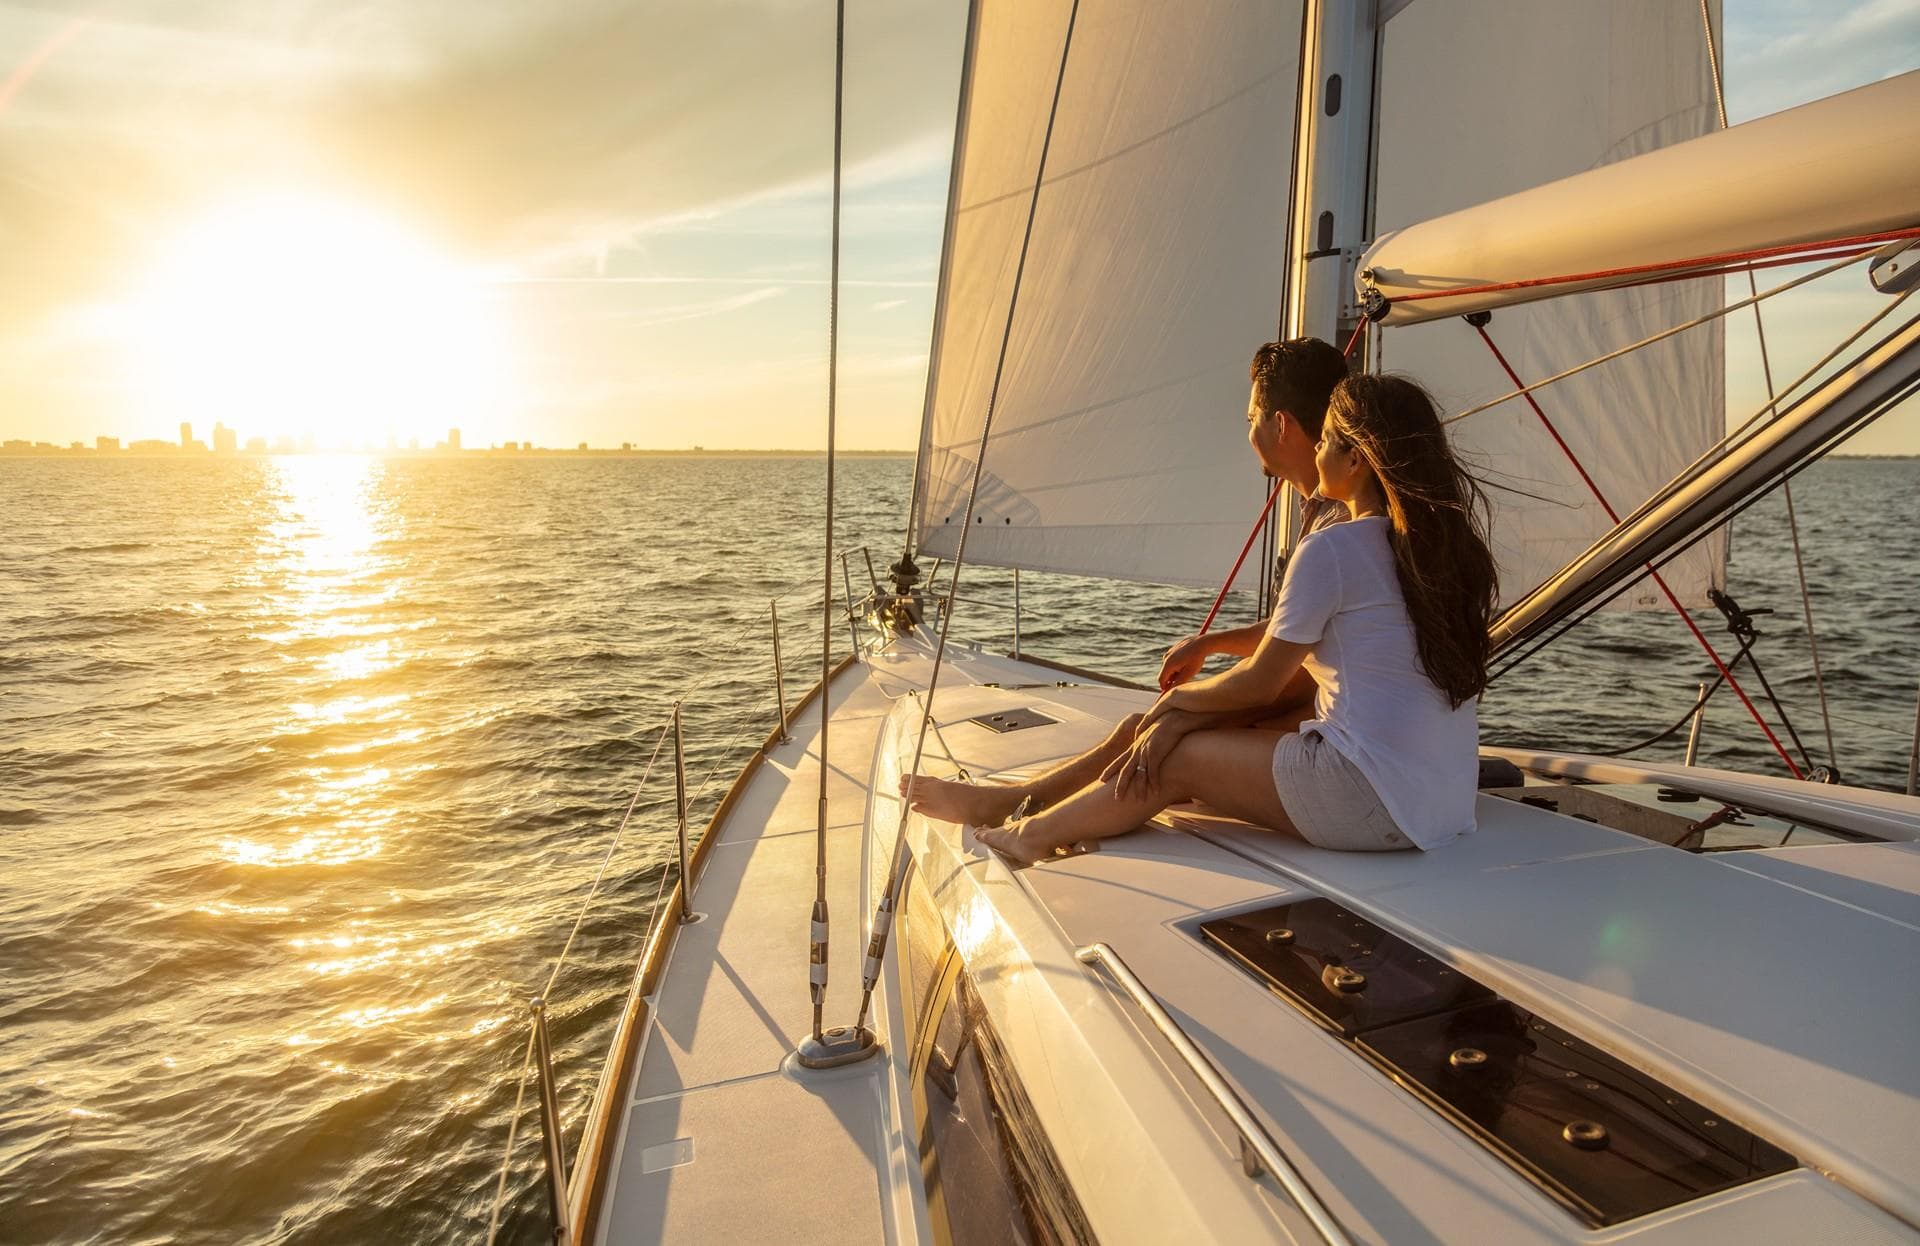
(1788, 52)
(519, 134)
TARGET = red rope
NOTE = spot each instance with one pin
(1244, 550)
(1671, 598)
(1740, 259)
(1272, 495)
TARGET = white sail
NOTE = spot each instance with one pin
(1157, 266)
(1841, 167)
(1483, 98)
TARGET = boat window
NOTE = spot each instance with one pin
(991, 1176)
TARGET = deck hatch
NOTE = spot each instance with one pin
(1610, 1140)
(1003, 721)
(1606, 1141)
(1311, 951)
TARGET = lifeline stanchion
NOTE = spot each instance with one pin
(1699, 715)
(779, 679)
(556, 1159)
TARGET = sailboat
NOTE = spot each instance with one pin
(1643, 1001)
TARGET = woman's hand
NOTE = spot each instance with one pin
(1184, 661)
(1136, 772)
(1167, 704)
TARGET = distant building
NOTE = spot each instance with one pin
(453, 439)
(583, 445)
(77, 445)
(626, 446)
(306, 443)
(284, 445)
(151, 447)
(15, 446)
(225, 440)
(186, 436)
(256, 445)
(413, 443)
(107, 445)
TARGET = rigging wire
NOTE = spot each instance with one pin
(1679, 270)
(1766, 371)
(945, 277)
(1529, 648)
(1480, 327)
(817, 953)
(877, 939)
(1661, 336)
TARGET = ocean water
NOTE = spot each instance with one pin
(307, 764)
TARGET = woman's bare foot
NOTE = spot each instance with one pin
(970, 804)
(1010, 843)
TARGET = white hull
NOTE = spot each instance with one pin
(1772, 986)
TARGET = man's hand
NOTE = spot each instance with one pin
(1184, 661)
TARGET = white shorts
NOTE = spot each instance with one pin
(1331, 803)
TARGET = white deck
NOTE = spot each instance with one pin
(760, 1154)
(1683, 964)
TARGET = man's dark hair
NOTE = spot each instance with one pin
(1297, 377)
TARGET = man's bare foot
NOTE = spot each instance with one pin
(1010, 843)
(971, 804)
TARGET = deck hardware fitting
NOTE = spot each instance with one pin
(836, 1046)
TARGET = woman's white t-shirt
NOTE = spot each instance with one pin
(1375, 703)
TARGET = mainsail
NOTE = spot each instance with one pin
(1160, 260)
(1480, 99)
(1158, 263)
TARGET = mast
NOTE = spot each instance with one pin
(1333, 181)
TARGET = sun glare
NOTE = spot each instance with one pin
(292, 315)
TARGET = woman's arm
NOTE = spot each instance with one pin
(1252, 683)
(1185, 659)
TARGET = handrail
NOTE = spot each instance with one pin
(1258, 1150)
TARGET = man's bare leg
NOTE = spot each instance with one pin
(990, 804)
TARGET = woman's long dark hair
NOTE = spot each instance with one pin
(1439, 517)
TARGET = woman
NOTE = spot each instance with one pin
(1387, 612)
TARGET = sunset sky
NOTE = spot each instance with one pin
(598, 222)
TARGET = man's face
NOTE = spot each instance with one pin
(1277, 440)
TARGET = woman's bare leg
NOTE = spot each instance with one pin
(1229, 769)
(990, 804)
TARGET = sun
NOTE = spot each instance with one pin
(295, 314)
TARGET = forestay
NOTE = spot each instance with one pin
(1483, 98)
(1157, 266)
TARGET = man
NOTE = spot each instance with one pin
(1285, 409)
(1286, 406)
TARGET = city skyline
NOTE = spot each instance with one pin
(226, 443)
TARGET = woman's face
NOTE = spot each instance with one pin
(1343, 469)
